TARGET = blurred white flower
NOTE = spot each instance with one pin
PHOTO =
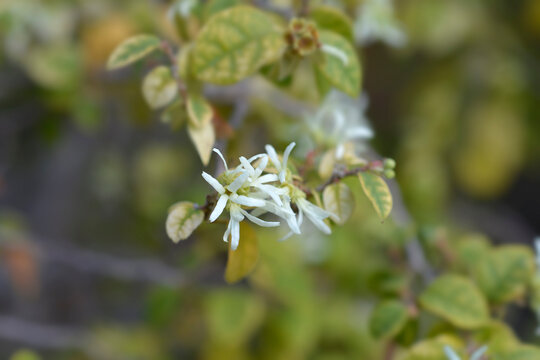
(376, 22)
(452, 355)
(339, 120)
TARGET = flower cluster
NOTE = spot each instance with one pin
(255, 188)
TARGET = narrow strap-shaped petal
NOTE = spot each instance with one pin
(255, 157)
(270, 191)
(248, 201)
(359, 132)
(218, 209)
(258, 221)
(238, 182)
(261, 166)
(273, 156)
(246, 164)
(266, 178)
(334, 51)
(213, 182)
(450, 353)
(286, 154)
(216, 150)
(235, 234)
(317, 211)
(479, 352)
(228, 231)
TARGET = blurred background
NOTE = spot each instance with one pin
(88, 171)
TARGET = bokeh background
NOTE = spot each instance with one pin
(88, 171)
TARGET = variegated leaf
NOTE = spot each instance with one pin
(236, 43)
(183, 219)
(159, 87)
(132, 50)
(339, 200)
(377, 192)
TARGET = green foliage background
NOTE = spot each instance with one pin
(88, 172)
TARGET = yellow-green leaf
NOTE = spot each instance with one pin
(340, 65)
(497, 336)
(183, 219)
(433, 349)
(326, 166)
(131, 50)
(233, 315)
(504, 273)
(199, 111)
(203, 137)
(333, 19)
(175, 115)
(457, 300)
(214, 6)
(159, 87)
(24, 355)
(339, 200)
(377, 192)
(388, 319)
(520, 352)
(236, 43)
(242, 260)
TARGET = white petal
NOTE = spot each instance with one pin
(261, 166)
(478, 353)
(340, 151)
(216, 150)
(334, 51)
(255, 157)
(235, 234)
(450, 353)
(360, 132)
(266, 178)
(248, 201)
(285, 160)
(317, 211)
(258, 221)
(218, 209)
(319, 224)
(269, 189)
(238, 182)
(245, 163)
(213, 182)
(227, 232)
(273, 156)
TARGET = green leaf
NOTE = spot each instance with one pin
(236, 43)
(183, 219)
(242, 260)
(343, 73)
(24, 355)
(339, 200)
(521, 352)
(175, 115)
(215, 6)
(504, 273)
(433, 349)
(159, 87)
(388, 319)
(497, 336)
(457, 300)
(199, 110)
(233, 315)
(330, 18)
(131, 50)
(203, 137)
(377, 192)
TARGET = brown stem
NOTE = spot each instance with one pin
(389, 350)
(168, 50)
(338, 175)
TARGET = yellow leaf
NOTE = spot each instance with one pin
(203, 137)
(377, 192)
(183, 219)
(131, 50)
(339, 200)
(159, 87)
(242, 260)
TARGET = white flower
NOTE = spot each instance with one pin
(339, 120)
(280, 167)
(229, 196)
(451, 354)
(376, 21)
(314, 213)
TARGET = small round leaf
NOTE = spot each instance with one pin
(457, 300)
(388, 319)
(131, 50)
(339, 200)
(183, 219)
(159, 87)
(377, 192)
